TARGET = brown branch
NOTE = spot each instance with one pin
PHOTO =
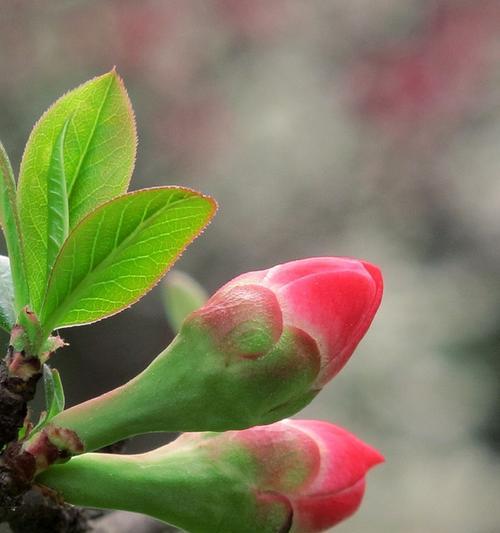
(40, 513)
(15, 393)
(28, 509)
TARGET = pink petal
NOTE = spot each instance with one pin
(288, 272)
(335, 308)
(338, 488)
(314, 514)
(345, 459)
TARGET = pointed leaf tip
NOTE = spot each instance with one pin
(98, 152)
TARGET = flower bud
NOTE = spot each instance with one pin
(258, 351)
(332, 299)
(302, 476)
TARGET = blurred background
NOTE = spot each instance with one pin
(348, 127)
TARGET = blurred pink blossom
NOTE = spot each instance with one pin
(433, 74)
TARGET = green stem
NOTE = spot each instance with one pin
(119, 482)
(194, 386)
(166, 396)
(182, 488)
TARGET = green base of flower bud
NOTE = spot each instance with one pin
(191, 387)
(182, 488)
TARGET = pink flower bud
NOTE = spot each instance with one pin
(301, 476)
(336, 490)
(258, 351)
(332, 300)
(310, 471)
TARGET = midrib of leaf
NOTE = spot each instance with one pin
(57, 201)
(89, 140)
(12, 231)
(50, 322)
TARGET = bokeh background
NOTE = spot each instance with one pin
(344, 127)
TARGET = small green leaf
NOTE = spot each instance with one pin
(120, 251)
(7, 311)
(97, 154)
(54, 397)
(49, 387)
(56, 401)
(57, 198)
(10, 224)
(23, 430)
(182, 295)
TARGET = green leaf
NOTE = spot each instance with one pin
(181, 296)
(54, 397)
(23, 430)
(7, 311)
(48, 386)
(10, 224)
(96, 153)
(59, 402)
(54, 392)
(57, 198)
(120, 251)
